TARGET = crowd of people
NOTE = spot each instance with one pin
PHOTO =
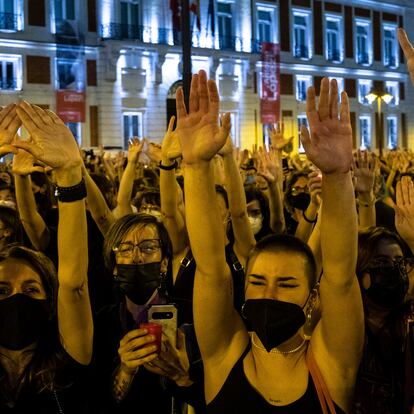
(290, 278)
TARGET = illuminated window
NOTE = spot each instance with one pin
(10, 72)
(8, 15)
(130, 20)
(65, 9)
(225, 27)
(302, 84)
(390, 49)
(69, 74)
(302, 120)
(301, 34)
(132, 126)
(393, 88)
(365, 132)
(392, 132)
(266, 23)
(334, 36)
(364, 88)
(76, 129)
(363, 42)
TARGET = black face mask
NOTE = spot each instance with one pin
(22, 321)
(300, 201)
(139, 281)
(273, 321)
(389, 285)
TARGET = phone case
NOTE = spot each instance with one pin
(165, 315)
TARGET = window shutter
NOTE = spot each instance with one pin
(36, 13)
(284, 19)
(402, 91)
(389, 17)
(301, 3)
(349, 33)
(333, 7)
(353, 126)
(378, 85)
(286, 84)
(377, 36)
(350, 87)
(91, 15)
(404, 134)
(317, 27)
(38, 69)
(94, 125)
(91, 73)
(360, 12)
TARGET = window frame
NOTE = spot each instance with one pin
(338, 18)
(302, 78)
(130, 113)
(65, 9)
(17, 16)
(274, 22)
(389, 118)
(308, 32)
(361, 99)
(396, 55)
(396, 86)
(79, 81)
(369, 119)
(301, 116)
(369, 50)
(17, 71)
(226, 41)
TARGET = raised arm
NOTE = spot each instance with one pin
(243, 235)
(32, 221)
(54, 145)
(338, 338)
(128, 177)
(216, 321)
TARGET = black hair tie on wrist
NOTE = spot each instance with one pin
(307, 220)
(173, 166)
(68, 194)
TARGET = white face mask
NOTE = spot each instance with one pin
(256, 223)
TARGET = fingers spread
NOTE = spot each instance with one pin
(180, 104)
(194, 99)
(323, 104)
(333, 99)
(203, 92)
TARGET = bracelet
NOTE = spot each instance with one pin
(307, 220)
(173, 166)
(68, 194)
(368, 204)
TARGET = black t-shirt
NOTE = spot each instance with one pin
(70, 397)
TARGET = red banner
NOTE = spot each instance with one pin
(270, 99)
(71, 106)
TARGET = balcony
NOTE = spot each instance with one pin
(147, 34)
(363, 58)
(9, 21)
(334, 55)
(301, 51)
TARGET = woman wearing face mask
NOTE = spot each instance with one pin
(271, 368)
(385, 374)
(45, 320)
(138, 250)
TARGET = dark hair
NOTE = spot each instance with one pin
(151, 196)
(105, 186)
(253, 193)
(45, 201)
(368, 240)
(285, 243)
(290, 182)
(221, 190)
(48, 356)
(11, 220)
(121, 227)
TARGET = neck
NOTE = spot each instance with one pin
(135, 309)
(14, 362)
(293, 347)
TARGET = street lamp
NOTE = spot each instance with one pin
(379, 94)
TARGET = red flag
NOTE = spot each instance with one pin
(195, 8)
(175, 9)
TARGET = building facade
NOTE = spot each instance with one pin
(125, 58)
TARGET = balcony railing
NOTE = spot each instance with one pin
(8, 84)
(9, 21)
(363, 58)
(334, 55)
(301, 51)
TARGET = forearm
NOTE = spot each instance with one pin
(339, 227)
(121, 384)
(125, 190)
(390, 179)
(204, 226)
(366, 209)
(109, 170)
(277, 218)
(97, 205)
(32, 221)
(305, 228)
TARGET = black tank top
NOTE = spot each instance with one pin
(238, 396)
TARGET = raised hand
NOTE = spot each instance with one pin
(153, 152)
(269, 167)
(329, 144)
(170, 148)
(315, 186)
(134, 149)
(227, 148)
(23, 164)
(408, 50)
(52, 142)
(404, 210)
(277, 140)
(9, 124)
(364, 168)
(199, 132)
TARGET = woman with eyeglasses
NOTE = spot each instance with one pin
(137, 249)
(385, 379)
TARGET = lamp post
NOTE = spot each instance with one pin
(379, 94)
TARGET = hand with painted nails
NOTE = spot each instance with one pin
(329, 143)
(199, 132)
(52, 142)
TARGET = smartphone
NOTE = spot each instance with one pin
(166, 316)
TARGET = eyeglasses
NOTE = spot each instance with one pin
(404, 263)
(298, 190)
(145, 247)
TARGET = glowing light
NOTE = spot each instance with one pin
(106, 18)
(371, 98)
